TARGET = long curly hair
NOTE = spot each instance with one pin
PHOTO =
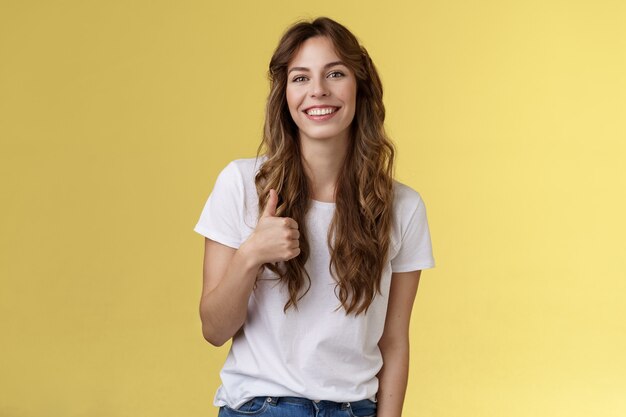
(359, 234)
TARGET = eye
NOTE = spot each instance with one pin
(336, 74)
(299, 79)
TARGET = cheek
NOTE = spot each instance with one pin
(351, 98)
(292, 100)
(349, 94)
(290, 104)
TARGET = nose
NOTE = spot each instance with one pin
(319, 88)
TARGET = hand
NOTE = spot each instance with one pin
(275, 238)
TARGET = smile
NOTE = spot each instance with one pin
(321, 111)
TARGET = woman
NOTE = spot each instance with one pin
(313, 252)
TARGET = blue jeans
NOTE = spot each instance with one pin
(300, 407)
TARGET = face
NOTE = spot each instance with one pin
(321, 91)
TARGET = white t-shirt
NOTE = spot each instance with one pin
(314, 352)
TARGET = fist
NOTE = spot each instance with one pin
(275, 238)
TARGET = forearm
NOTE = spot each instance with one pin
(393, 378)
(223, 310)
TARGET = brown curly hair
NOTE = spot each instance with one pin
(361, 224)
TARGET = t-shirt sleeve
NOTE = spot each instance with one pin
(222, 215)
(415, 251)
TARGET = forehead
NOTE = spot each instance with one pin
(314, 52)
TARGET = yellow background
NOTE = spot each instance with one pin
(115, 118)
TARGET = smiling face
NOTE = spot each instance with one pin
(321, 91)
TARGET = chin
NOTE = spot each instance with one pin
(323, 134)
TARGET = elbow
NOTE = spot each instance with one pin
(210, 332)
(213, 339)
(215, 332)
(216, 339)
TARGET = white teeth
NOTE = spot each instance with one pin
(321, 111)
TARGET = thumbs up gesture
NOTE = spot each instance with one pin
(270, 207)
(275, 238)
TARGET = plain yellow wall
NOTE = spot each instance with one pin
(115, 118)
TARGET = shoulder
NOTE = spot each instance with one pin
(238, 180)
(406, 199)
(244, 166)
(411, 247)
(241, 170)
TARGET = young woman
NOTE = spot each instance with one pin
(313, 252)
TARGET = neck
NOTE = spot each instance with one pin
(322, 161)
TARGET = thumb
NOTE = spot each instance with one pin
(270, 206)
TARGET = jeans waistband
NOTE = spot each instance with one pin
(318, 403)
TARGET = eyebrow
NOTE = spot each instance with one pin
(330, 64)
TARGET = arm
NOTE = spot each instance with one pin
(228, 279)
(229, 274)
(394, 344)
